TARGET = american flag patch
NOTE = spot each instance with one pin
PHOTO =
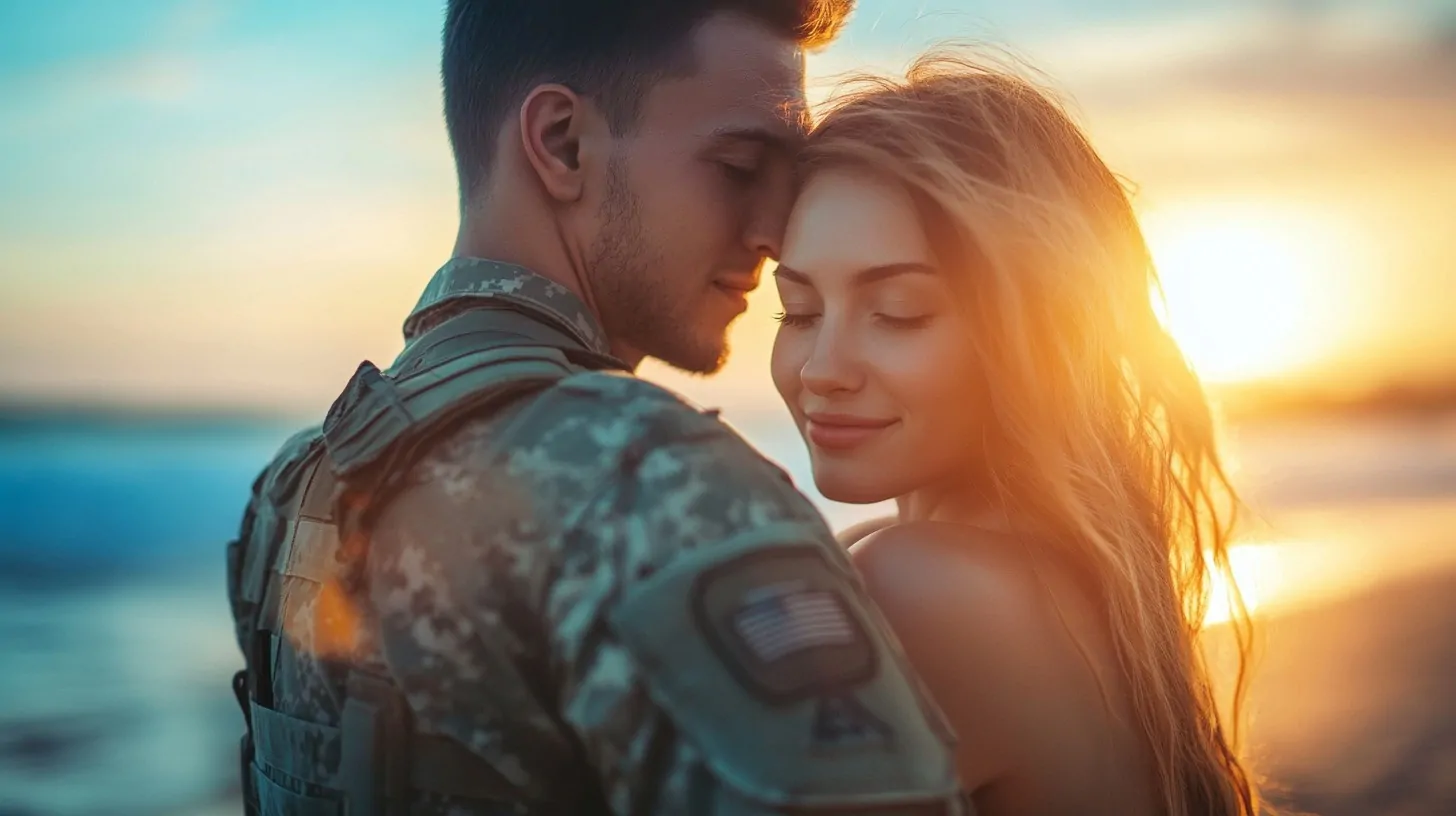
(792, 621)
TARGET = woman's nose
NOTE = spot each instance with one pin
(832, 366)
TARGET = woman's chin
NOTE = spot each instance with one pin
(852, 488)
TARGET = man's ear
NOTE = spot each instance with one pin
(555, 122)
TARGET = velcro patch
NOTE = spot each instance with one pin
(780, 623)
(742, 652)
(779, 620)
(845, 721)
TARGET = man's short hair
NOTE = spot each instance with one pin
(612, 51)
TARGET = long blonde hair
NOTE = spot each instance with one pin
(1103, 433)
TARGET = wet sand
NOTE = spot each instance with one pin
(1353, 703)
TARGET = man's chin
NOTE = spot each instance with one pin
(698, 358)
(706, 366)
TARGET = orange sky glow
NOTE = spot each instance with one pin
(191, 227)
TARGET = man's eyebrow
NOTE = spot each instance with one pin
(768, 136)
(872, 274)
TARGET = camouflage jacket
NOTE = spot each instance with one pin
(607, 596)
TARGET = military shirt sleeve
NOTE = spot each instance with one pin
(616, 592)
(454, 559)
(715, 652)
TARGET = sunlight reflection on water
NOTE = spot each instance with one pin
(1338, 552)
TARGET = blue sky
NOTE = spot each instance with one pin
(203, 200)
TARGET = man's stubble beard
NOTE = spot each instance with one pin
(636, 308)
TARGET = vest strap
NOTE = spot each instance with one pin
(475, 359)
(374, 761)
(487, 326)
(379, 765)
(377, 750)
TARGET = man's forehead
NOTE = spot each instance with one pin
(750, 77)
(769, 117)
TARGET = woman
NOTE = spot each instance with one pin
(968, 329)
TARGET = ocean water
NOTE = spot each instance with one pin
(115, 642)
(116, 647)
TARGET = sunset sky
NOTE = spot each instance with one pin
(235, 202)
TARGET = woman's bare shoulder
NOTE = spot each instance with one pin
(1006, 661)
(852, 534)
(949, 574)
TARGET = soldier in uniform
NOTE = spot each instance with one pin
(506, 576)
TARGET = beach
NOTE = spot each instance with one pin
(1353, 704)
(117, 647)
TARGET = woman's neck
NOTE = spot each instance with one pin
(968, 497)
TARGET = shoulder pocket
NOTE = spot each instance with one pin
(764, 652)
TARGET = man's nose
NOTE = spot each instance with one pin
(766, 220)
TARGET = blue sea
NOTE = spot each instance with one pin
(116, 647)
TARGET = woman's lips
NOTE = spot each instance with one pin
(842, 432)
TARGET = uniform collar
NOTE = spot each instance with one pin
(465, 280)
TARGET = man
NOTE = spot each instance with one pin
(505, 578)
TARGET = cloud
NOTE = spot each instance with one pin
(173, 62)
(1329, 74)
(166, 66)
(1278, 74)
(84, 92)
(192, 20)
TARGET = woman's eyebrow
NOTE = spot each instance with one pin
(791, 275)
(875, 274)
(872, 274)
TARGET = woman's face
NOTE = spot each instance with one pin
(873, 356)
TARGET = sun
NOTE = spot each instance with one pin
(1258, 575)
(1240, 289)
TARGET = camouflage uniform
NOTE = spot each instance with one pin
(588, 598)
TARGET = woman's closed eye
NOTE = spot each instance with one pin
(899, 323)
(903, 323)
(796, 319)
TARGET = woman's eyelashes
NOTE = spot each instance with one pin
(903, 323)
(801, 319)
(795, 320)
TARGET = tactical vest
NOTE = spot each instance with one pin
(372, 762)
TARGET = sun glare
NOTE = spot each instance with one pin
(1258, 573)
(1240, 289)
